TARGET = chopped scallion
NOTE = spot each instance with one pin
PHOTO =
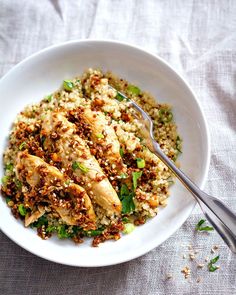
(22, 145)
(99, 135)
(68, 85)
(22, 210)
(140, 163)
(132, 89)
(77, 165)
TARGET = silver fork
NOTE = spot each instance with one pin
(219, 215)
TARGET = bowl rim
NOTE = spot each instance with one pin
(194, 97)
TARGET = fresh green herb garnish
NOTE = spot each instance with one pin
(68, 85)
(129, 227)
(51, 229)
(94, 233)
(40, 222)
(203, 228)
(140, 163)
(9, 167)
(48, 98)
(99, 135)
(42, 140)
(18, 183)
(22, 145)
(178, 144)
(62, 232)
(165, 116)
(133, 89)
(4, 179)
(212, 267)
(77, 165)
(125, 219)
(8, 200)
(119, 96)
(135, 177)
(123, 175)
(126, 198)
(22, 210)
(121, 152)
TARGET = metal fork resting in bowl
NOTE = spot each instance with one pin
(219, 215)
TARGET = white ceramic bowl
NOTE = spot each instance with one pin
(41, 74)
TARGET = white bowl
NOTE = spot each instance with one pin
(41, 74)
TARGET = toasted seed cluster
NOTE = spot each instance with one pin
(90, 91)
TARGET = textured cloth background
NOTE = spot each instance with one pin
(198, 38)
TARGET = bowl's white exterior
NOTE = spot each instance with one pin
(41, 74)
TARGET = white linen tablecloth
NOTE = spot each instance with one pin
(198, 38)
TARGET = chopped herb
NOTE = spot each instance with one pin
(22, 210)
(120, 97)
(212, 267)
(4, 179)
(165, 116)
(62, 232)
(9, 167)
(18, 183)
(68, 85)
(129, 227)
(123, 175)
(8, 200)
(67, 182)
(40, 222)
(22, 145)
(140, 163)
(121, 152)
(133, 89)
(178, 144)
(99, 135)
(77, 165)
(135, 177)
(42, 140)
(203, 228)
(51, 229)
(140, 138)
(126, 198)
(125, 219)
(48, 98)
(94, 233)
(78, 81)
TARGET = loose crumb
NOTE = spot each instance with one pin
(199, 280)
(186, 271)
(200, 265)
(169, 276)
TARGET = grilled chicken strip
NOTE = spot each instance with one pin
(72, 149)
(36, 171)
(103, 134)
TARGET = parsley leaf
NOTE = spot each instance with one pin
(212, 267)
(199, 226)
(126, 198)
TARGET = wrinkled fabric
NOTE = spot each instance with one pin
(198, 38)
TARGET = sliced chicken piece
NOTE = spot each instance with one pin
(74, 153)
(104, 134)
(34, 216)
(36, 172)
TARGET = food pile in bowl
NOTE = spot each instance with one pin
(77, 165)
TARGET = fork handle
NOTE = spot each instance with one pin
(220, 216)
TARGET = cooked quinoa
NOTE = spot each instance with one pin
(76, 164)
